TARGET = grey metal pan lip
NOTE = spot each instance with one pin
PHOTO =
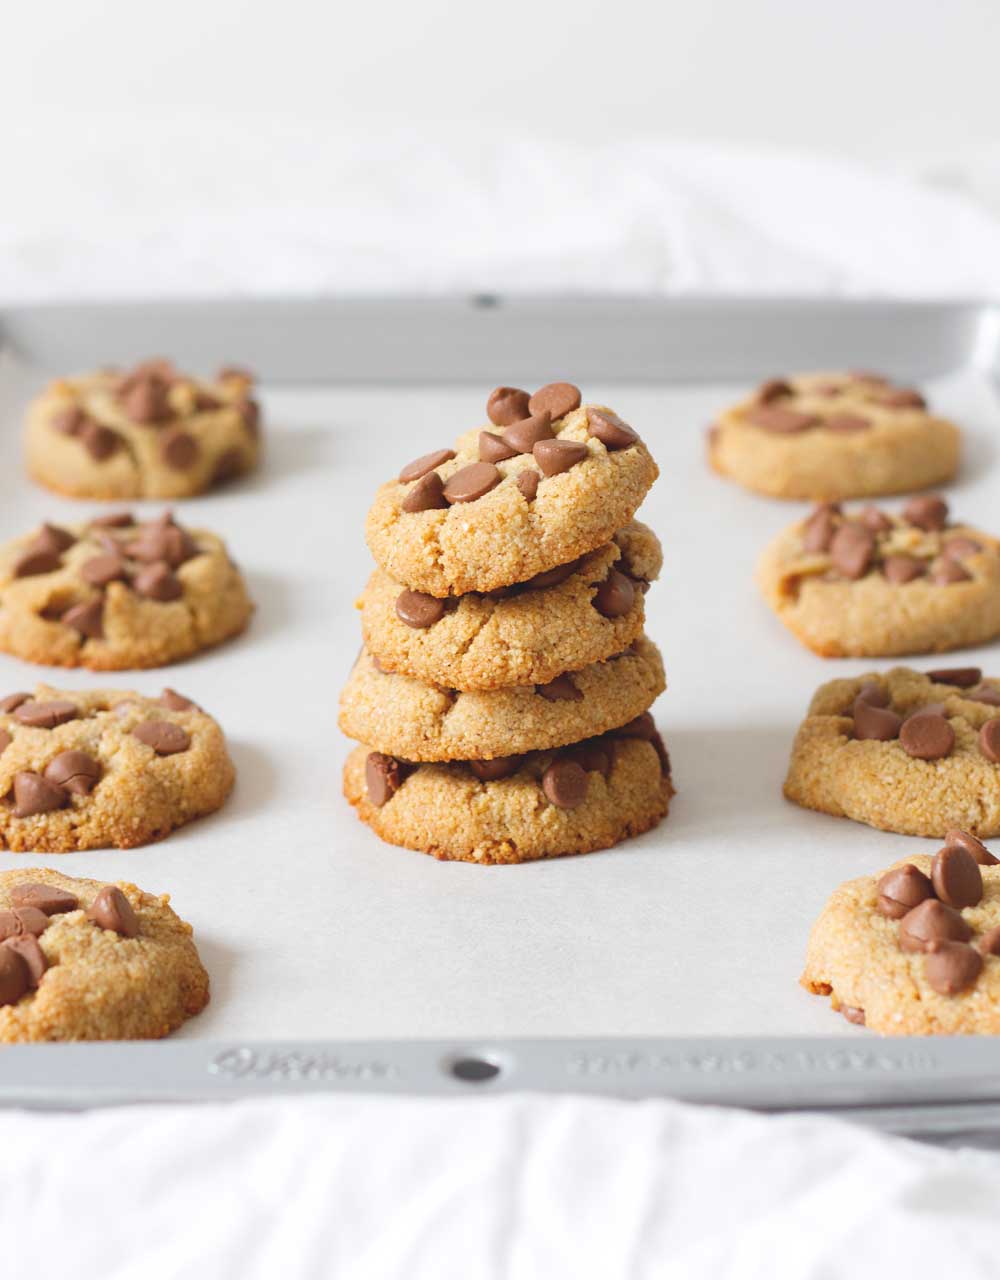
(925, 1085)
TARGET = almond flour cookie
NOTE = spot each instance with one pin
(549, 482)
(868, 584)
(405, 718)
(541, 805)
(915, 950)
(149, 433)
(85, 770)
(832, 436)
(113, 594)
(917, 753)
(82, 960)
(562, 620)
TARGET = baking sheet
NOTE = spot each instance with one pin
(311, 928)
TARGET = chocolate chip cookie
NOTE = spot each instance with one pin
(907, 751)
(561, 620)
(915, 950)
(831, 436)
(867, 583)
(151, 432)
(85, 770)
(82, 960)
(411, 720)
(115, 593)
(549, 481)
(544, 804)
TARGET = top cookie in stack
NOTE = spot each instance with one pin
(503, 691)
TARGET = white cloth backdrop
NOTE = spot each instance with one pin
(518, 1187)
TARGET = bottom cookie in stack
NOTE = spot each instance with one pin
(543, 804)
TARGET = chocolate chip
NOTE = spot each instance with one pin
(46, 715)
(959, 547)
(565, 784)
(145, 399)
(179, 449)
(87, 618)
(553, 577)
(228, 465)
(75, 771)
(506, 405)
(989, 741)
(901, 398)
(384, 775)
(51, 538)
(781, 421)
(32, 562)
(524, 435)
(818, 530)
(158, 582)
(26, 946)
(165, 738)
(873, 693)
(928, 512)
(493, 449)
(527, 482)
(900, 569)
(927, 736)
(876, 724)
(100, 570)
(853, 1014)
(592, 757)
(965, 840)
(952, 967)
(932, 921)
(34, 794)
(419, 467)
(116, 520)
(773, 389)
(902, 889)
(561, 689)
(204, 401)
(961, 677)
(642, 727)
(933, 709)
(164, 540)
(956, 877)
(418, 610)
(946, 572)
(13, 976)
(985, 693)
(493, 770)
(22, 920)
(558, 398)
(615, 595)
(556, 456)
(612, 432)
(847, 424)
(176, 701)
(851, 550)
(472, 482)
(43, 897)
(5, 740)
(13, 701)
(69, 421)
(99, 441)
(875, 520)
(989, 943)
(112, 910)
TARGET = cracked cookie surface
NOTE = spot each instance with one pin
(465, 524)
(107, 971)
(903, 752)
(92, 769)
(831, 436)
(547, 807)
(515, 636)
(411, 720)
(866, 583)
(116, 596)
(149, 433)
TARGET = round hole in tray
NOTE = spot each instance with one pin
(474, 1069)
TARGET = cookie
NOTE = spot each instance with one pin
(82, 960)
(563, 620)
(917, 753)
(415, 721)
(114, 594)
(535, 491)
(831, 436)
(150, 433)
(541, 805)
(866, 584)
(89, 769)
(915, 950)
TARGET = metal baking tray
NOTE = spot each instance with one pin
(667, 966)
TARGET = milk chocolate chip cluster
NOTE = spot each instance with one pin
(776, 407)
(926, 733)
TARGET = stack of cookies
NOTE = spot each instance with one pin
(502, 693)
